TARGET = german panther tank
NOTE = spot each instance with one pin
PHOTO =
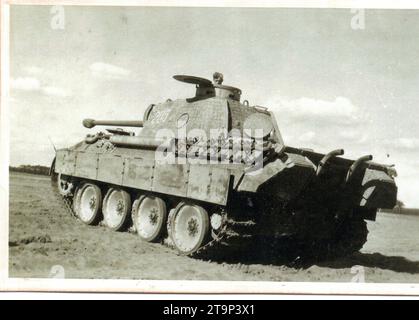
(214, 171)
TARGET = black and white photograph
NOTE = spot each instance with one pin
(235, 148)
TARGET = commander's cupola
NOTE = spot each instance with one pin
(207, 89)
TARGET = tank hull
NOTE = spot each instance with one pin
(285, 199)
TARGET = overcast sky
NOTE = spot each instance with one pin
(330, 86)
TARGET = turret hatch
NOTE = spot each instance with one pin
(207, 89)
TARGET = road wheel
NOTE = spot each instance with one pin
(189, 227)
(76, 199)
(88, 203)
(149, 215)
(116, 209)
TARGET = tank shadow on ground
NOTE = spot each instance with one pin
(369, 260)
(253, 255)
(374, 260)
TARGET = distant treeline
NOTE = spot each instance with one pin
(402, 211)
(31, 169)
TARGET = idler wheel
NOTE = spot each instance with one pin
(149, 216)
(65, 186)
(189, 227)
(88, 203)
(116, 209)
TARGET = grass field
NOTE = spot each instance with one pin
(42, 235)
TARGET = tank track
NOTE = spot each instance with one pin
(230, 234)
(349, 238)
(64, 202)
(236, 237)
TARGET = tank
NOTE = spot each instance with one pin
(212, 171)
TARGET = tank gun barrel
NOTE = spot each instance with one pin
(90, 123)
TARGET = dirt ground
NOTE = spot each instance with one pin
(44, 240)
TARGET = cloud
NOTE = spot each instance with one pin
(108, 71)
(55, 92)
(350, 134)
(341, 110)
(307, 136)
(25, 84)
(321, 124)
(32, 84)
(407, 143)
(402, 144)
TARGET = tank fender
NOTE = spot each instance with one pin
(378, 190)
(286, 177)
